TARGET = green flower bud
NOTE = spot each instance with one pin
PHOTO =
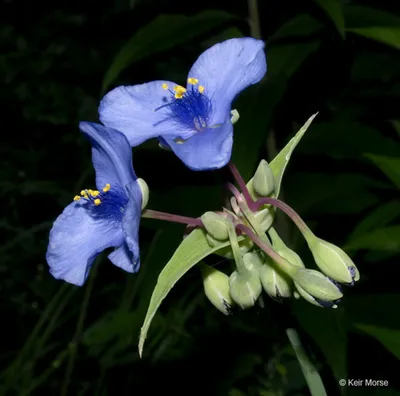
(252, 261)
(245, 288)
(291, 256)
(317, 285)
(265, 218)
(264, 180)
(234, 116)
(216, 288)
(274, 281)
(145, 192)
(333, 261)
(215, 225)
(308, 297)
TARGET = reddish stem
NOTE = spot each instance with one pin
(242, 185)
(154, 214)
(284, 208)
(258, 241)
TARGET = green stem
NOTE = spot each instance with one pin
(241, 268)
(309, 370)
(301, 225)
(30, 347)
(72, 348)
(254, 19)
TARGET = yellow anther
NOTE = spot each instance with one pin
(77, 198)
(97, 202)
(179, 89)
(84, 194)
(107, 187)
(165, 86)
(90, 191)
(201, 88)
(95, 193)
(179, 95)
(192, 80)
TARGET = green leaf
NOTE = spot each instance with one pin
(279, 163)
(388, 36)
(357, 16)
(388, 165)
(327, 329)
(192, 250)
(340, 193)
(374, 309)
(374, 24)
(378, 218)
(385, 239)
(396, 126)
(333, 9)
(389, 338)
(161, 34)
(342, 139)
(302, 25)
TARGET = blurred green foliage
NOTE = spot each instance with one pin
(339, 58)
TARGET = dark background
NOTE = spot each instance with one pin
(57, 61)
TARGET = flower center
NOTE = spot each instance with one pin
(188, 107)
(107, 204)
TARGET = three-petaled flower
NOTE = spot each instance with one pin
(194, 122)
(102, 218)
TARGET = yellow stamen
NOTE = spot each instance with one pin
(192, 80)
(201, 89)
(84, 194)
(95, 193)
(179, 89)
(179, 95)
(165, 86)
(97, 202)
(107, 187)
(77, 198)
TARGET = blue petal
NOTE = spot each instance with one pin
(111, 155)
(207, 150)
(228, 68)
(76, 239)
(123, 258)
(132, 110)
(131, 222)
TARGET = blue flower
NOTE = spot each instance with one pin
(102, 218)
(194, 121)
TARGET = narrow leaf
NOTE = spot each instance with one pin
(389, 36)
(192, 250)
(279, 163)
(388, 165)
(389, 338)
(373, 23)
(333, 9)
(384, 239)
(378, 218)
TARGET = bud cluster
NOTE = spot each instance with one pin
(271, 266)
